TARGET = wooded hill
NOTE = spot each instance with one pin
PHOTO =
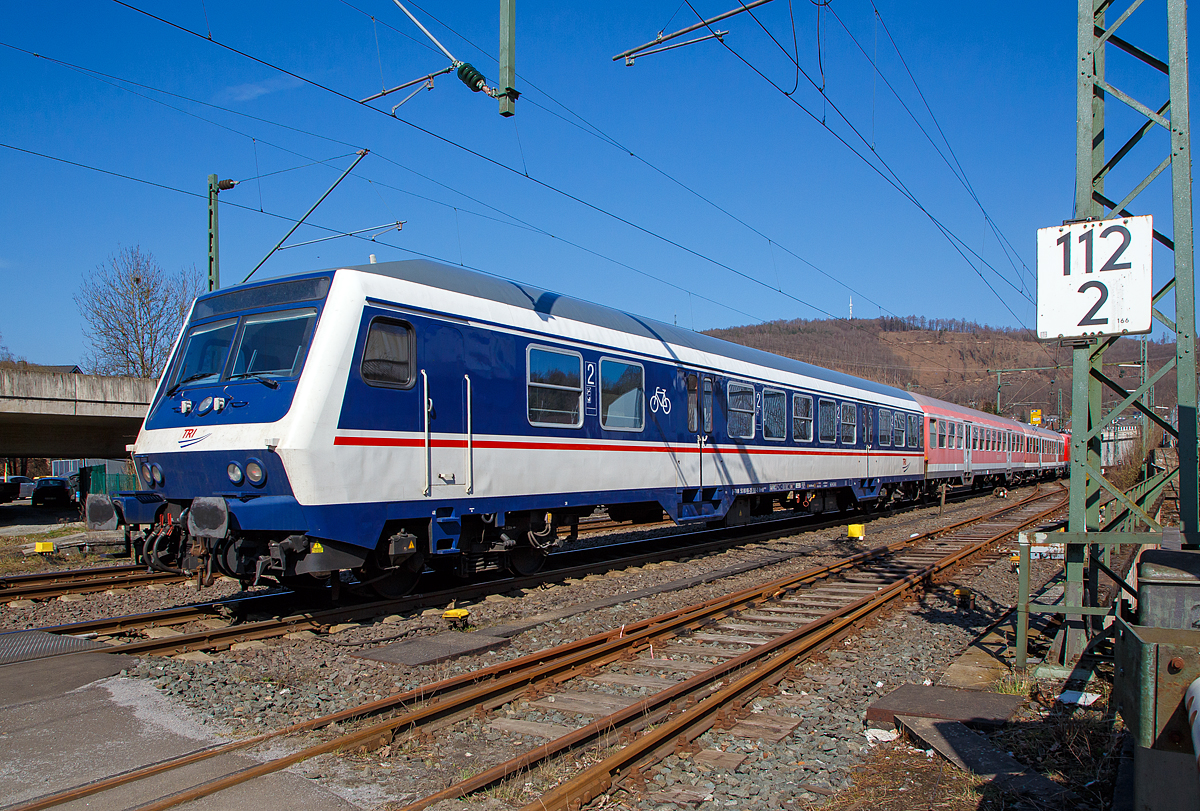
(949, 359)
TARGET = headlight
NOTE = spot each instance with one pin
(235, 473)
(156, 474)
(146, 474)
(205, 406)
(255, 472)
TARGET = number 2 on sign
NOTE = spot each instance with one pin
(1089, 253)
(1090, 319)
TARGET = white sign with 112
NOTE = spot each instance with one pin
(1094, 278)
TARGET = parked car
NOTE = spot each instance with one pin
(52, 490)
(27, 485)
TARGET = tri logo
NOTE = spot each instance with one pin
(189, 437)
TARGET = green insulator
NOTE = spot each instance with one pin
(471, 77)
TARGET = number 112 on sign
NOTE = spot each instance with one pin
(1094, 278)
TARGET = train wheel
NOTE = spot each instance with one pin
(525, 560)
(394, 583)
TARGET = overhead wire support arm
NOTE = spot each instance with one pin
(362, 153)
(379, 229)
(660, 39)
(717, 35)
(426, 78)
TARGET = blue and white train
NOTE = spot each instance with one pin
(383, 418)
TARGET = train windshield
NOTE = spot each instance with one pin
(273, 343)
(263, 345)
(205, 352)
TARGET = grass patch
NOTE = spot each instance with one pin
(1014, 684)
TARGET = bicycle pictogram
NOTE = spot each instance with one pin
(660, 400)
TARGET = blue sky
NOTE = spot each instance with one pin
(737, 204)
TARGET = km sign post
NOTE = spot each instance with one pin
(1094, 278)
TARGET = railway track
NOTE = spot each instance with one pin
(714, 657)
(48, 585)
(562, 566)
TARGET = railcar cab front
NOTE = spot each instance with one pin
(237, 366)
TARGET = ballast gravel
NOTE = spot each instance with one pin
(268, 685)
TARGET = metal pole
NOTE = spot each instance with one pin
(214, 254)
(215, 187)
(1185, 291)
(362, 153)
(508, 57)
(1022, 652)
(997, 392)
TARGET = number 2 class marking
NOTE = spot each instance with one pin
(1089, 255)
(1090, 319)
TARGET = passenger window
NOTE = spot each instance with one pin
(898, 425)
(774, 415)
(849, 423)
(941, 434)
(933, 432)
(961, 435)
(555, 392)
(693, 403)
(388, 354)
(740, 422)
(885, 427)
(914, 431)
(801, 418)
(622, 394)
(827, 417)
(707, 405)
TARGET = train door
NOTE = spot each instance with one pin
(446, 389)
(704, 437)
(697, 466)
(1008, 454)
(971, 438)
(868, 418)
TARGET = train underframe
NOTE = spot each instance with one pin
(201, 539)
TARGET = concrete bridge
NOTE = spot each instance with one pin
(70, 415)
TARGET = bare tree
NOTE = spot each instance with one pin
(133, 309)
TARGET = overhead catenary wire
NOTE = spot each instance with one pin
(340, 232)
(597, 132)
(586, 126)
(952, 162)
(499, 164)
(505, 218)
(533, 179)
(889, 177)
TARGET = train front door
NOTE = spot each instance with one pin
(448, 462)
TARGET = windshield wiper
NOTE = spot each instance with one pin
(266, 381)
(189, 379)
